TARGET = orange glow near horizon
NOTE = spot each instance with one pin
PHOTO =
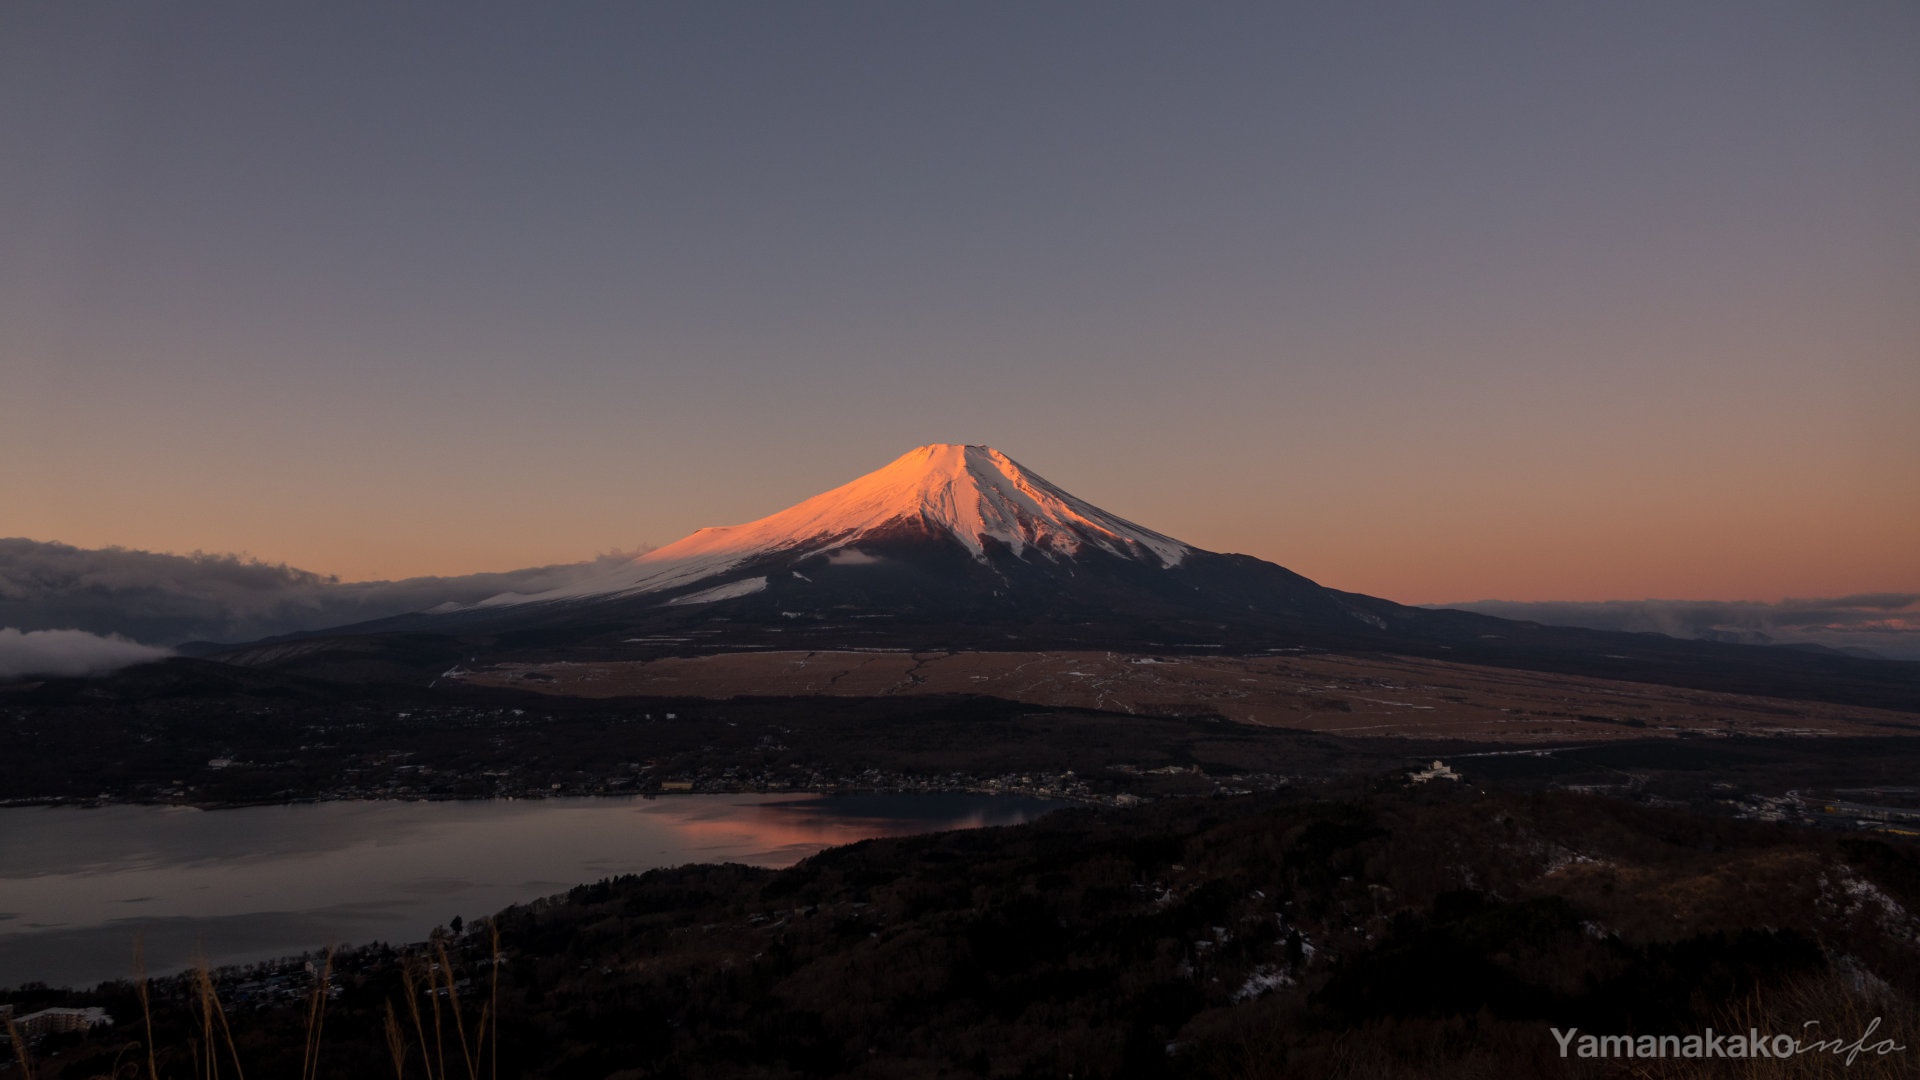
(1413, 541)
(1441, 310)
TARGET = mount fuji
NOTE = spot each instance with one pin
(952, 547)
(971, 496)
(950, 539)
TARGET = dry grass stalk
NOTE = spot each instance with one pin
(211, 1008)
(19, 1049)
(453, 1006)
(316, 1022)
(413, 1007)
(117, 1058)
(493, 932)
(213, 1013)
(206, 1038)
(146, 1006)
(396, 1043)
(1844, 1013)
(439, 1039)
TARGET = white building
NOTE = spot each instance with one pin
(49, 1021)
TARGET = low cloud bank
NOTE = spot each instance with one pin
(169, 599)
(68, 652)
(1883, 624)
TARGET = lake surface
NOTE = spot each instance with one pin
(79, 886)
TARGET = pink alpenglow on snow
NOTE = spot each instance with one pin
(973, 494)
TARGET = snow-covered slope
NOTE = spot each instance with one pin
(974, 494)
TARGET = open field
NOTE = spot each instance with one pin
(1371, 696)
(1077, 724)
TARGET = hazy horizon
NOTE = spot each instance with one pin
(1488, 300)
(83, 610)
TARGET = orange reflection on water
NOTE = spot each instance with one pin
(786, 829)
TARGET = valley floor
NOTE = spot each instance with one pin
(1371, 696)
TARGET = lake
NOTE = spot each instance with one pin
(80, 886)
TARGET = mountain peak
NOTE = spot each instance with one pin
(977, 496)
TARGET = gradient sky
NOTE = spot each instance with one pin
(1430, 301)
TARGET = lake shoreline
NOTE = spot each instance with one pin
(77, 889)
(1059, 793)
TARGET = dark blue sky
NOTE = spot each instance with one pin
(1434, 301)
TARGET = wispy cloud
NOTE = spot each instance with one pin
(68, 652)
(165, 599)
(1886, 624)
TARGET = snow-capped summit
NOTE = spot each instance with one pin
(974, 495)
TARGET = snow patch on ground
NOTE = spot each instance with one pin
(1561, 858)
(852, 557)
(1264, 980)
(743, 587)
(1854, 895)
